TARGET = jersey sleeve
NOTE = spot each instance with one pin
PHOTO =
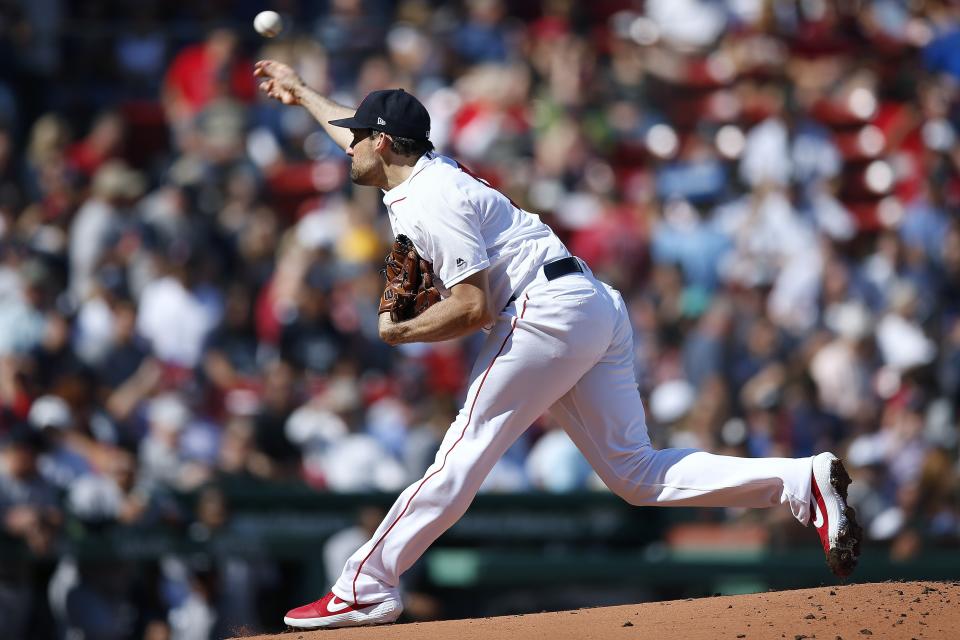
(454, 238)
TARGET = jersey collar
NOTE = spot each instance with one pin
(400, 191)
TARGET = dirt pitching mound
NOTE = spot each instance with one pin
(896, 610)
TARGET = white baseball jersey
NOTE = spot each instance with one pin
(462, 225)
(565, 347)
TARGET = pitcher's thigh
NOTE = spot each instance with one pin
(604, 417)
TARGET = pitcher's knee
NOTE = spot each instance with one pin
(633, 484)
(630, 490)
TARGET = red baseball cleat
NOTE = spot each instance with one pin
(836, 522)
(330, 611)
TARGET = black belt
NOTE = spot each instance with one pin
(560, 268)
(556, 269)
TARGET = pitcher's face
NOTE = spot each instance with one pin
(362, 152)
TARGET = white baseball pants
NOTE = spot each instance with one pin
(565, 346)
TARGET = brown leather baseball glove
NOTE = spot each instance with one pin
(410, 290)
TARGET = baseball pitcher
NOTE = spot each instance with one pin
(559, 340)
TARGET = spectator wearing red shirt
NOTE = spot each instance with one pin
(203, 73)
(104, 142)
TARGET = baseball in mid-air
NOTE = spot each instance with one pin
(268, 23)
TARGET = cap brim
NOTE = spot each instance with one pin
(349, 123)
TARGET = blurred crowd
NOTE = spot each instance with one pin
(189, 282)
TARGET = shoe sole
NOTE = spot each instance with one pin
(384, 613)
(290, 628)
(842, 558)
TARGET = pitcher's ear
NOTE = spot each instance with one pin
(383, 141)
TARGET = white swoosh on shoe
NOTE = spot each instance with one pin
(333, 606)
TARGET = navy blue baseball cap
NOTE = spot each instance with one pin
(392, 111)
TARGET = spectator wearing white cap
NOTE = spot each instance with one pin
(115, 188)
(839, 368)
(161, 462)
(902, 341)
(63, 462)
(670, 403)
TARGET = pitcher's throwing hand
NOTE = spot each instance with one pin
(281, 82)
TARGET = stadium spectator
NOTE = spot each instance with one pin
(30, 513)
(203, 73)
